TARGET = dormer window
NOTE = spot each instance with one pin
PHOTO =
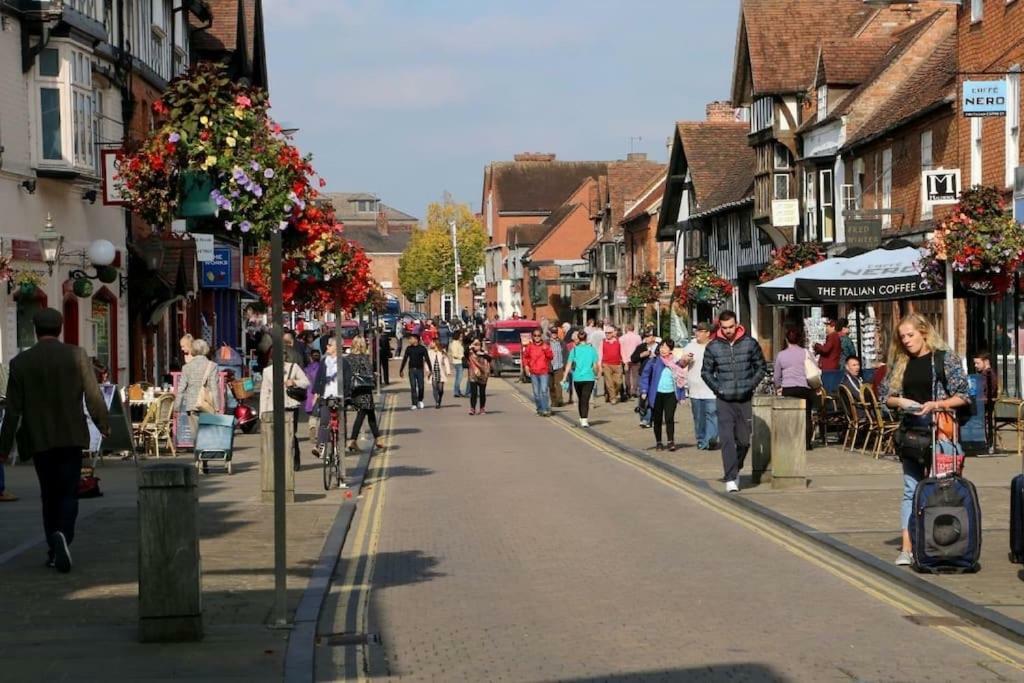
(822, 102)
(366, 206)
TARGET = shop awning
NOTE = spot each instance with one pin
(584, 300)
(876, 275)
(782, 290)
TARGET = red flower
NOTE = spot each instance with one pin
(160, 108)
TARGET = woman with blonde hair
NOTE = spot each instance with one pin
(359, 382)
(923, 376)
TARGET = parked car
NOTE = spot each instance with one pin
(350, 329)
(505, 342)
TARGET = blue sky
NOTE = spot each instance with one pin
(409, 98)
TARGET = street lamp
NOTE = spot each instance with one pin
(50, 242)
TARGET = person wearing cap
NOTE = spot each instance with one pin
(831, 350)
(702, 399)
(50, 425)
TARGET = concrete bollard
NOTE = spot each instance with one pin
(170, 590)
(761, 440)
(267, 458)
(789, 459)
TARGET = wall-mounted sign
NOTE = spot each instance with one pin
(204, 247)
(785, 213)
(216, 273)
(941, 186)
(863, 233)
(421, 297)
(1018, 194)
(111, 180)
(984, 98)
(386, 284)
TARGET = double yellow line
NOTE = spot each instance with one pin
(978, 637)
(365, 541)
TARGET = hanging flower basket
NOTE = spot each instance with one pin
(217, 153)
(644, 290)
(701, 285)
(27, 282)
(791, 258)
(82, 287)
(106, 274)
(980, 240)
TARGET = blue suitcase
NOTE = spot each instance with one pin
(945, 526)
(1017, 519)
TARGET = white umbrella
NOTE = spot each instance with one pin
(782, 290)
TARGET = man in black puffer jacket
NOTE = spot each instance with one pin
(733, 367)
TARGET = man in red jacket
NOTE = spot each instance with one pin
(828, 353)
(537, 358)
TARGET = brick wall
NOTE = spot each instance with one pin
(992, 44)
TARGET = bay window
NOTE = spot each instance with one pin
(66, 113)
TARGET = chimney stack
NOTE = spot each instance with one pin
(721, 111)
(534, 156)
(382, 221)
(636, 156)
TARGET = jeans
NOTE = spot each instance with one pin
(665, 412)
(416, 385)
(477, 391)
(734, 421)
(540, 393)
(3, 483)
(583, 391)
(705, 421)
(913, 472)
(458, 391)
(58, 471)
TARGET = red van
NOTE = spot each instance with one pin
(504, 339)
(349, 331)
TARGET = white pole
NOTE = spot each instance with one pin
(455, 255)
(950, 335)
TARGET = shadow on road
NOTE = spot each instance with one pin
(403, 568)
(407, 471)
(711, 672)
(404, 430)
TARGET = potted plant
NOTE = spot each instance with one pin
(702, 285)
(791, 258)
(981, 242)
(27, 282)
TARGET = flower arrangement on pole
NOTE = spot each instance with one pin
(645, 289)
(702, 285)
(981, 242)
(791, 258)
(216, 153)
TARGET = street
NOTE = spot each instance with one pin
(512, 547)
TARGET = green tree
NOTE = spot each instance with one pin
(428, 264)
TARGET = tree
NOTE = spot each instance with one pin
(428, 265)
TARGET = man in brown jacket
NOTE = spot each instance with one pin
(44, 412)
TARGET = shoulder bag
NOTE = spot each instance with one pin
(812, 371)
(204, 400)
(296, 393)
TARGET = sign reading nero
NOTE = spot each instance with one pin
(984, 98)
(863, 233)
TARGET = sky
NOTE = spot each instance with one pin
(408, 99)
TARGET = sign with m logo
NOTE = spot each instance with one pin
(941, 186)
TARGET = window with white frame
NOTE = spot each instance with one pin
(810, 207)
(65, 115)
(976, 160)
(977, 10)
(826, 205)
(782, 156)
(780, 187)
(87, 7)
(886, 186)
(822, 102)
(140, 29)
(858, 183)
(764, 114)
(926, 165)
(1012, 122)
(180, 42)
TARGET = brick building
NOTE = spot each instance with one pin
(644, 253)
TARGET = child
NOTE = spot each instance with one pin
(983, 366)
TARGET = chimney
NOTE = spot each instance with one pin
(721, 111)
(534, 156)
(382, 221)
(636, 156)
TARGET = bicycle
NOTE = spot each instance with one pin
(333, 466)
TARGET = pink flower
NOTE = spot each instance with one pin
(243, 101)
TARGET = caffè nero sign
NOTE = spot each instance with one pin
(984, 98)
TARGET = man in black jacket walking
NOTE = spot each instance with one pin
(416, 357)
(733, 367)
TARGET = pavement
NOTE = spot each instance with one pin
(852, 499)
(82, 626)
(510, 547)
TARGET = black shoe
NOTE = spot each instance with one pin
(61, 553)
(296, 464)
(671, 445)
(659, 446)
(49, 563)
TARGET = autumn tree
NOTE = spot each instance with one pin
(428, 264)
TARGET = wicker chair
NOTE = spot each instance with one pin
(157, 429)
(882, 428)
(856, 420)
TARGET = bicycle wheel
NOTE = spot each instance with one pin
(330, 465)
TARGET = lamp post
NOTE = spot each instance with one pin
(50, 243)
(458, 269)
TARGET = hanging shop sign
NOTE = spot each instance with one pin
(204, 247)
(1018, 194)
(863, 233)
(785, 213)
(112, 187)
(941, 186)
(216, 272)
(984, 98)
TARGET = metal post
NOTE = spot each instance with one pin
(339, 347)
(950, 333)
(280, 529)
(455, 256)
